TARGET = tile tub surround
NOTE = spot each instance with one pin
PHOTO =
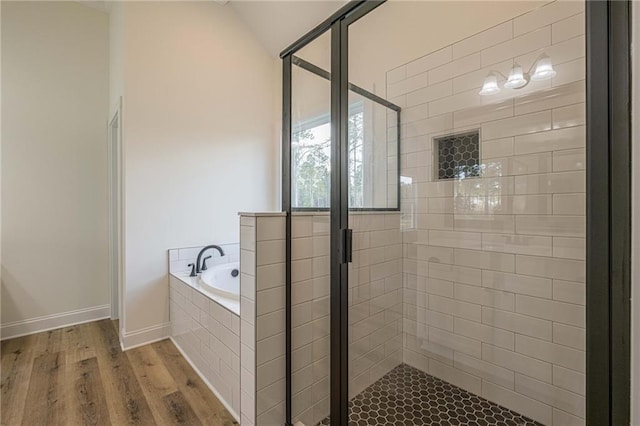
(208, 335)
(237, 348)
(493, 266)
(232, 305)
(180, 258)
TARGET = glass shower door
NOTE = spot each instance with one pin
(438, 260)
(311, 155)
(375, 340)
(466, 301)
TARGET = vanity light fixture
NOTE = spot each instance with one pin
(490, 86)
(544, 69)
(517, 78)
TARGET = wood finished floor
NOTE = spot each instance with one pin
(79, 376)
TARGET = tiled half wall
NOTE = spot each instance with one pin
(209, 336)
(494, 266)
(262, 310)
(375, 301)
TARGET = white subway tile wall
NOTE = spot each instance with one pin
(209, 335)
(242, 357)
(310, 317)
(247, 320)
(493, 267)
(262, 318)
(180, 258)
(375, 298)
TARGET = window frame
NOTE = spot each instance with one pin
(301, 63)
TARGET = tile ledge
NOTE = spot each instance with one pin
(231, 305)
(351, 213)
(256, 214)
(315, 213)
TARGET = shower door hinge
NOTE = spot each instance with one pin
(347, 245)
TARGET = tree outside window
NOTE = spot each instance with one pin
(311, 162)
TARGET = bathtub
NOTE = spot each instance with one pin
(217, 284)
(222, 279)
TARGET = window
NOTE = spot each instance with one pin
(311, 164)
(311, 161)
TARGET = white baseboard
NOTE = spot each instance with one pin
(145, 336)
(206, 382)
(51, 322)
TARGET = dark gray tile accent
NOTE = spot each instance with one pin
(408, 396)
(458, 155)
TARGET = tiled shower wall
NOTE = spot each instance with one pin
(262, 312)
(494, 266)
(375, 298)
(375, 307)
(310, 271)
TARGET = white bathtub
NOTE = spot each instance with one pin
(220, 279)
(217, 284)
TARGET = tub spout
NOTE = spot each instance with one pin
(199, 267)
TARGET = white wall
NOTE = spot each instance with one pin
(54, 158)
(198, 140)
(116, 55)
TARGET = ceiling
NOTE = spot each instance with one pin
(100, 5)
(277, 24)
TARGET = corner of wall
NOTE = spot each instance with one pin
(144, 336)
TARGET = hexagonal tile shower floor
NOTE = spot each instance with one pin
(408, 396)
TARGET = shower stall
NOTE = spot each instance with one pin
(435, 179)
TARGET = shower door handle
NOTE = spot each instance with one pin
(347, 245)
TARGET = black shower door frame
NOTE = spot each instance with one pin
(608, 233)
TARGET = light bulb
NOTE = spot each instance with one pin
(490, 86)
(516, 78)
(544, 70)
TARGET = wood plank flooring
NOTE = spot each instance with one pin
(79, 376)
